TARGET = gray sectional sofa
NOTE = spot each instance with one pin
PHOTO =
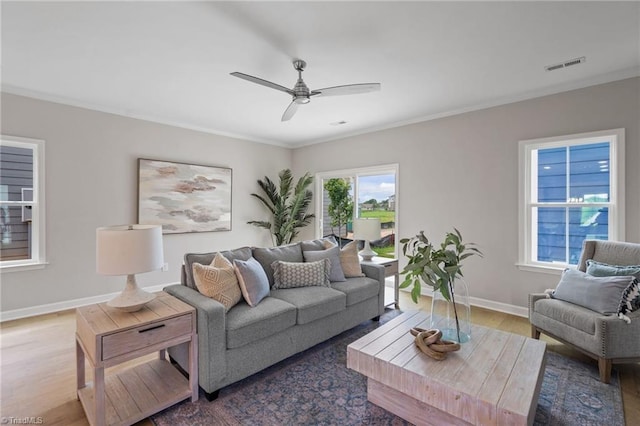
(236, 344)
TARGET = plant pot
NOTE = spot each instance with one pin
(452, 317)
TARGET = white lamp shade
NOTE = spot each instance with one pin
(367, 229)
(129, 249)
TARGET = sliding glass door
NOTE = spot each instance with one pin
(369, 193)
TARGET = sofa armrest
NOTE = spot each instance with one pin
(376, 272)
(533, 298)
(212, 337)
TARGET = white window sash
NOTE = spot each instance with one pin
(38, 242)
(527, 184)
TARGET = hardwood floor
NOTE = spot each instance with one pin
(38, 376)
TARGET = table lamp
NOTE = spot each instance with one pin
(129, 250)
(366, 229)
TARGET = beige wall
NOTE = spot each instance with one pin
(91, 181)
(462, 171)
(458, 171)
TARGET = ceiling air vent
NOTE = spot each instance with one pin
(565, 64)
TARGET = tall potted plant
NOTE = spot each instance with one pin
(288, 206)
(441, 268)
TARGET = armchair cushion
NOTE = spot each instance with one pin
(599, 269)
(600, 294)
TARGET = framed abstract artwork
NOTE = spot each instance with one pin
(184, 197)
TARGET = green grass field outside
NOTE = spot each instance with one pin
(383, 215)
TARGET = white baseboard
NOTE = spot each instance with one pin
(519, 311)
(68, 304)
(72, 304)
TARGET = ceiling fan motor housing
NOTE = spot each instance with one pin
(300, 90)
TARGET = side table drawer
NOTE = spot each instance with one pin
(390, 269)
(144, 336)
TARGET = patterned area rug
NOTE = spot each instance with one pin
(316, 388)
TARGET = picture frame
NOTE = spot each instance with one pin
(184, 197)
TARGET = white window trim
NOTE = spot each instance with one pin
(617, 189)
(38, 230)
(371, 170)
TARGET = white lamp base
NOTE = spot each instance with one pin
(132, 297)
(366, 253)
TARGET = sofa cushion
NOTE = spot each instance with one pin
(349, 259)
(312, 303)
(316, 245)
(252, 280)
(301, 274)
(567, 314)
(333, 254)
(218, 281)
(600, 294)
(246, 324)
(242, 253)
(358, 289)
(266, 256)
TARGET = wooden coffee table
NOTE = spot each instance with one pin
(494, 379)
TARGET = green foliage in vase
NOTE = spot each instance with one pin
(288, 206)
(436, 267)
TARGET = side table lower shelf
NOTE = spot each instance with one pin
(138, 392)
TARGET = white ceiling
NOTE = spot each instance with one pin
(170, 61)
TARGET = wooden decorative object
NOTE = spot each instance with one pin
(430, 343)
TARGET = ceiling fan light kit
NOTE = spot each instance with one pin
(301, 94)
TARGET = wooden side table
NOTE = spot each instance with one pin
(390, 270)
(106, 337)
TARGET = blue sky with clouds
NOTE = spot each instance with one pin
(379, 187)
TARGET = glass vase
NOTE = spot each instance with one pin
(452, 317)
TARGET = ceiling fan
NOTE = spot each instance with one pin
(301, 93)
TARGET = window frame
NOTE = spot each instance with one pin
(355, 172)
(38, 228)
(616, 212)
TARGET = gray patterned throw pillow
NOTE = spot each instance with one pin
(301, 274)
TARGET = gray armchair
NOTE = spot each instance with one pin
(605, 338)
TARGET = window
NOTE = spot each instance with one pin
(22, 242)
(572, 189)
(369, 192)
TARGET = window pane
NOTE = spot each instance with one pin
(14, 233)
(586, 223)
(552, 175)
(376, 198)
(16, 180)
(589, 173)
(552, 234)
(555, 236)
(337, 210)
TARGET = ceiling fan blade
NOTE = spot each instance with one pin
(262, 82)
(349, 89)
(291, 109)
